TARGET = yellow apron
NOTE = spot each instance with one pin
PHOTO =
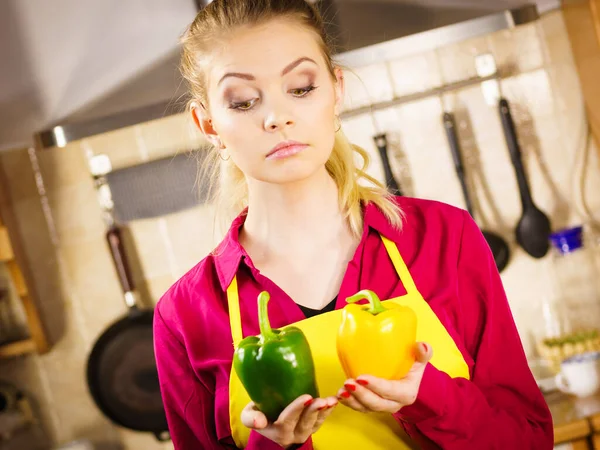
(346, 428)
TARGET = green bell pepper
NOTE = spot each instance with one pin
(275, 367)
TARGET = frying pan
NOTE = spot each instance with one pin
(533, 229)
(497, 245)
(390, 181)
(121, 371)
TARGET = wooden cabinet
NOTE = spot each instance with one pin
(572, 432)
(582, 19)
(595, 423)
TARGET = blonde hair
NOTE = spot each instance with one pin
(228, 187)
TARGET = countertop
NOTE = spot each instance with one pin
(573, 418)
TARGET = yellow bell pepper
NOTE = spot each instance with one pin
(376, 339)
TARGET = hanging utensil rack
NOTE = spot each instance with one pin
(433, 92)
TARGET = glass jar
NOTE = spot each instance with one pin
(576, 280)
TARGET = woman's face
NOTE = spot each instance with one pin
(272, 102)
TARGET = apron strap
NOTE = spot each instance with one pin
(233, 301)
(403, 273)
(235, 321)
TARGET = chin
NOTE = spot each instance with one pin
(292, 171)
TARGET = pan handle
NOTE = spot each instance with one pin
(117, 251)
(450, 127)
(390, 181)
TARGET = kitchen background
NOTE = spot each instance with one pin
(51, 206)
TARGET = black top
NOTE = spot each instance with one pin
(309, 312)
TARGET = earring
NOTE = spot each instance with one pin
(221, 155)
(339, 127)
(220, 147)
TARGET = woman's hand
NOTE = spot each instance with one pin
(370, 394)
(296, 423)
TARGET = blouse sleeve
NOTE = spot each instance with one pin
(501, 406)
(188, 403)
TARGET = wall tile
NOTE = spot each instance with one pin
(63, 166)
(17, 169)
(192, 235)
(94, 283)
(121, 146)
(368, 84)
(427, 151)
(151, 248)
(415, 73)
(169, 136)
(360, 131)
(457, 61)
(517, 50)
(157, 286)
(76, 213)
(355, 92)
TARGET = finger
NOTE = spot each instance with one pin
(398, 391)
(253, 418)
(291, 414)
(369, 399)
(332, 402)
(346, 399)
(423, 352)
(309, 416)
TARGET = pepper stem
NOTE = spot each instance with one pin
(263, 317)
(375, 306)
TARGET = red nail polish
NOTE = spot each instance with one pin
(350, 387)
(322, 408)
(346, 394)
(426, 347)
(308, 402)
(362, 382)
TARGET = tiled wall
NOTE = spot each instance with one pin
(78, 289)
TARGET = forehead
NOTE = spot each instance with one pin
(264, 50)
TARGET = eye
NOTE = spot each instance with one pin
(242, 106)
(303, 92)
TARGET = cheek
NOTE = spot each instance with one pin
(234, 129)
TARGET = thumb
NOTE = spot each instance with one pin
(253, 418)
(423, 353)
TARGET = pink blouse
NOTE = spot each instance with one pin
(451, 263)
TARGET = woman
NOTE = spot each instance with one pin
(312, 229)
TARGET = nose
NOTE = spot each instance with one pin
(278, 119)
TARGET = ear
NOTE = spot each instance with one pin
(339, 90)
(204, 123)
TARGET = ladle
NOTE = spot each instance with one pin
(533, 229)
(498, 246)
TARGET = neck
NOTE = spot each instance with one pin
(284, 219)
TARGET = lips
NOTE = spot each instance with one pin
(285, 149)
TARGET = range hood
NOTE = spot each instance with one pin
(364, 32)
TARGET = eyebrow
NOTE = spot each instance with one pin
(287, 69)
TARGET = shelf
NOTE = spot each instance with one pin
(37, 341)
(17, 348)
(6, 251)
